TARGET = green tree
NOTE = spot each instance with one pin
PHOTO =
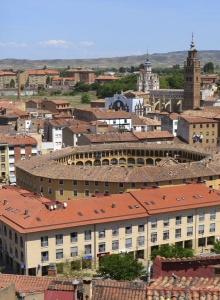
(45, 67)
(121, 70)
(216, 247)
(85, 99)
(12, 83)
(80, 86)
(208, 68)
(173, 250)
(48, 80)
(120, 267)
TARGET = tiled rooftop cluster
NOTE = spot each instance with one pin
(182, 288)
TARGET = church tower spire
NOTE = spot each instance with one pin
(191, 79)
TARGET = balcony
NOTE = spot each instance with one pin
(190, 233)
(44, 258)
(44, 244)
(201, 231)
(128, 245)
(87, 237)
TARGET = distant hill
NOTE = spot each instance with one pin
(157, 59)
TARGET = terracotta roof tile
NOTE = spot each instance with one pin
(184, 288)
(20, 140)
(111, 137)
(153, 135)
(111, 290)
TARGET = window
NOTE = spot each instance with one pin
(141, 228)
(22, 256)
(178, 220)
(49, 190)
(115, 245)
(213, 132)
(212, 227)
(128, 243)
(41, 178)
(200, 125)
(73, 237)
(74, 251)
(201, 217)
(133, 184)
(86, 193)
(189, 231)
(16, 252)
(88, 249)
(86, 182)
(61, 192)
(16, 238)
(101, 247)
(74, 182)
(165, 222)
(140, 241)
(106, 184)
(59, 239)
(178, 233)
(49, 180)
(44, 241)
(87, 235)
(128, 229)
(101, 233)
(96, 183)
(166, 235)
(21, 242)
(60, 181)
(44, 256)
(59, 253)
(212, 215)
(2, 158)
(189, 219)
(154, 224)
(213, 125)
(153, 237)
(121, 184)
(201, 229)
(115, 230)
(201, 242)
(5, 231)
(75, 193)
(41, 189)
(10, 234)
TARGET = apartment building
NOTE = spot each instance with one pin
(57, 106)
(20, 147)
(7, 78)
(36, 231)
(119, 119)
(197, 130)
(37, 78)
(3, 159)
(84, 74)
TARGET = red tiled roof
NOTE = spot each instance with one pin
(197, 120)
(42, 72)
(26, 284)
(20, 140)
(57, 101)
(111, 137)
(104, 113)
(112, 290)
(153, 135)
(58, 295)
(184, 288)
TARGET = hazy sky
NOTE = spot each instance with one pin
(71, 29)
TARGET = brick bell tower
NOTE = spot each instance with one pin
(191, 98)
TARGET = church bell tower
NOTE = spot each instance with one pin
(191, 98)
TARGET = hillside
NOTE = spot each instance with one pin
(157, 59)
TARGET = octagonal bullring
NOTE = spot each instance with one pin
(78, 172)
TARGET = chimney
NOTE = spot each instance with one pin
(19, 86)
(5, 201)
(52, 270)
(26, 212)
(164, 197)
(87, 286)
(113, 205)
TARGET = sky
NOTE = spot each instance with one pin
(86, 29)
